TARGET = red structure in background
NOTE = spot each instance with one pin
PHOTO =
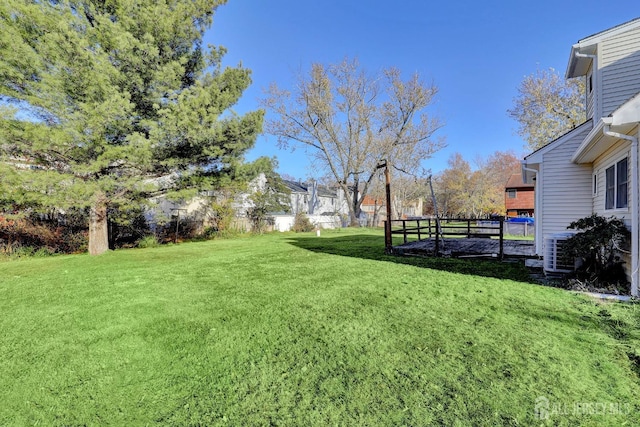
(518, 197)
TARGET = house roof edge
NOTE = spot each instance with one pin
(532, 157)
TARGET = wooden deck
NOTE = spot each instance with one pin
(469, 247)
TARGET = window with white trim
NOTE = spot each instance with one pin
(595, 184)
(511, 194)
(616, 185)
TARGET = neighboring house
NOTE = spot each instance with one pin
(375, 210)
(315, 199)
(518, 197)
(325, 206)
(409, 208)
(594, 167)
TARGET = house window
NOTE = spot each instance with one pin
(590, 83)
(622, 182)
(511, 194)
(595, 184)
(616, 185)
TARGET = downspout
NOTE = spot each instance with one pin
(524, 168)
(634, 203)
(586, 55)
(537, 212)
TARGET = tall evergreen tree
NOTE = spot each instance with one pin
(97, 97)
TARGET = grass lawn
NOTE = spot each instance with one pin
(292, 329)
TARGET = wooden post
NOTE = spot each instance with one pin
(418, 225)
(175, 238)
(404, 230)
(435, 209)
(388, 242)
(468, 228)
(501, 219)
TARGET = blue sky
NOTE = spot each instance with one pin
(476, 52)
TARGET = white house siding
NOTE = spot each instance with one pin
(299, 202)
(620, 61)
(286, 222)
(615, 153)
(197, 208)
(566, 187)
(326, 204)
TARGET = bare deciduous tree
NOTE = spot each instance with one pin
(547, 106)
(351, 121)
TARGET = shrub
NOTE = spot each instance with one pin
(149, 241)
(260, 219)
(26, 233)
(302, 223)
(598, 245)
(16, 250)
(126, 227)
(73, 242)
(208, 233)
(213, 233)
(47, 233)
(186, 229)
(224, 214)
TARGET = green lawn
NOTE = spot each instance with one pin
(292, 329)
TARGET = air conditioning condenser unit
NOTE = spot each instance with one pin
(556, 259)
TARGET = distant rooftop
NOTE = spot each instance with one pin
(304, 187)
(515, 181)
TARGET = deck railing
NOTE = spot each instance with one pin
(427, 228)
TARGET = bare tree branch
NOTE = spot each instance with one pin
(341, 112)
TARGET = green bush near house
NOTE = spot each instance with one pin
(149, 241)
(295, 329)
(598, 244)
(302, 223)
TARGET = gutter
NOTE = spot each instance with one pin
(537, 211)
(570, 73)
(585, 55)
(634, 203)
(590, 140)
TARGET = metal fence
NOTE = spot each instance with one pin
(524, 229)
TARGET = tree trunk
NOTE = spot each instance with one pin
(435, 205)
(376, 212)
(355, 212)
(98, 227)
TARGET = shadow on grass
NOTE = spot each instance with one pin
(372, 247)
